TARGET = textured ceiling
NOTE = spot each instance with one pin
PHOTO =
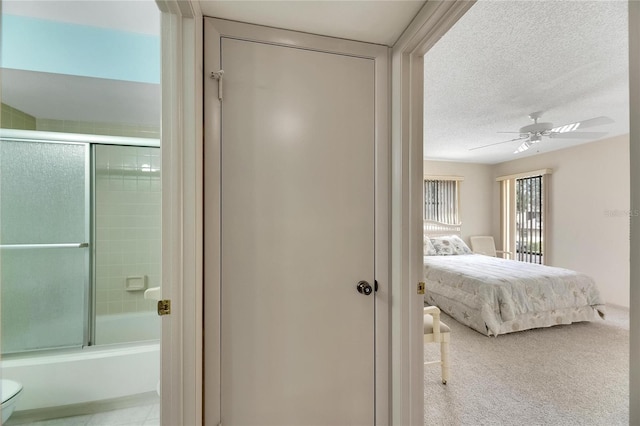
(505, 60)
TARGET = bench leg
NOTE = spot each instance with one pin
(444, 358)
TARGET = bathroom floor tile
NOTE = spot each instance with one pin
(66, 421)
(127, 416)
(143, 415)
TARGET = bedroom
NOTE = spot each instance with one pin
(582, 76)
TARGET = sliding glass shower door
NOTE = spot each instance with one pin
(44, 236)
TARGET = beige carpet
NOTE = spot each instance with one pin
(565, 375)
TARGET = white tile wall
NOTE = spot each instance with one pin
(128, 226)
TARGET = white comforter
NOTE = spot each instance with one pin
(504, 290)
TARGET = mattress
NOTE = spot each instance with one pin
(496, 296)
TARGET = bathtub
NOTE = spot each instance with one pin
(95, 373)
(130, 327)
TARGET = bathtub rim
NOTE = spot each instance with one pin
(24, 359)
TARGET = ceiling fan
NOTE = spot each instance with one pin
(533, 133)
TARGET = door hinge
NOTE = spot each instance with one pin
(421, 287)
(164, 307)
(218, 76)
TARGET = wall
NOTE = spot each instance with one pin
(13, 118)
(476, 207)
(589, 211)
(128, 226)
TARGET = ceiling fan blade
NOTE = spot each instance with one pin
(499, 143)
(592, 122)
(577, 135)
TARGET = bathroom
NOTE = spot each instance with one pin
(80, 210)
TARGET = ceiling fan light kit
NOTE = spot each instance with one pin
(525, 146)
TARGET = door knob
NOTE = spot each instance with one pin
(364, 287)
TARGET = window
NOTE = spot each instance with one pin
(529, 219)
(441, 202)
(524, 202)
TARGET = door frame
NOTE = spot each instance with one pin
(634, 154)
(380, 54)
(407, 88)
(182, 225)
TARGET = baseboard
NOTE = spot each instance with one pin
(613, 305)
(40, 414)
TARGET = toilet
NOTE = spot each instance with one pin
(10, 392)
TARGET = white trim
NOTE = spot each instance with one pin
(222, 28)
(443, 177)
(250, 32)
(634, 148)
(433, 21)
(212, 199)
(181, 148)
(540, 172)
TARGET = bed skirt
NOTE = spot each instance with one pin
(474, 318)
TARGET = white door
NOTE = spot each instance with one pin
(297, 236)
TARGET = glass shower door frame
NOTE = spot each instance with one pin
(89, 141)
(86, 245)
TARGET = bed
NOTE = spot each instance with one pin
(496, 296)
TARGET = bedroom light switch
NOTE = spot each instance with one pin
(421, 286)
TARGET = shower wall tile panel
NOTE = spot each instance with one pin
(98, 128)
(13, 118)
(128, 226)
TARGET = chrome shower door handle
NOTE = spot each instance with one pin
(43, 246)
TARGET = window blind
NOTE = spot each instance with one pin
(529, 219)
(441, 200)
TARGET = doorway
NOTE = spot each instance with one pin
(66, 106)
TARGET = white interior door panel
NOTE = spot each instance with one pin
(297, 235)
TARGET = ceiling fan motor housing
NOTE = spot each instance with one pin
(536, 128)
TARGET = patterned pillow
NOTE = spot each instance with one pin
(450, 245)
(460, 246)
(429, 249)
(443, 246)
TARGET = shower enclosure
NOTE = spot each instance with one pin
(79, 238)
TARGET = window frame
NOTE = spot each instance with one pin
(508, 211)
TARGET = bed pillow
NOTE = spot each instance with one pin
(450, 245)
(429, 249)
(443, 246)
(460, 246)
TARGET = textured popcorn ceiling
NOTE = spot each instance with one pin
(506, 59)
